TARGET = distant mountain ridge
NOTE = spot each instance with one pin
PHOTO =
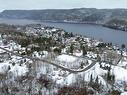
(80, 15)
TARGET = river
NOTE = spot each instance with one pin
(94, 31)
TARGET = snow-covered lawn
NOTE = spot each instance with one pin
(14, 70)
(78, 54)
(18, 70)
(123, 63)
(72, 62)
(124, 93)
(120, 73)
(4, 67)
(66, 58)
(2, 51)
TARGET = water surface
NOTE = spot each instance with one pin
(89, 30)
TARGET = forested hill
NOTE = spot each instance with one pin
(81, 15)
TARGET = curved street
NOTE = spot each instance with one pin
(58, 66)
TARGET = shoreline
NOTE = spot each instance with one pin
(90, 23)
(66, 22)
(70, 22)
(28, 22)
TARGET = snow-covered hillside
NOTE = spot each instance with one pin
(54, 61)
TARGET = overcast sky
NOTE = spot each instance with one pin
(61, 4)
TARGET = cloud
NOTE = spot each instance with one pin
(53, 4)
(39, 4)
(106, 3)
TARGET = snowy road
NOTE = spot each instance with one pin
(58, 66)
